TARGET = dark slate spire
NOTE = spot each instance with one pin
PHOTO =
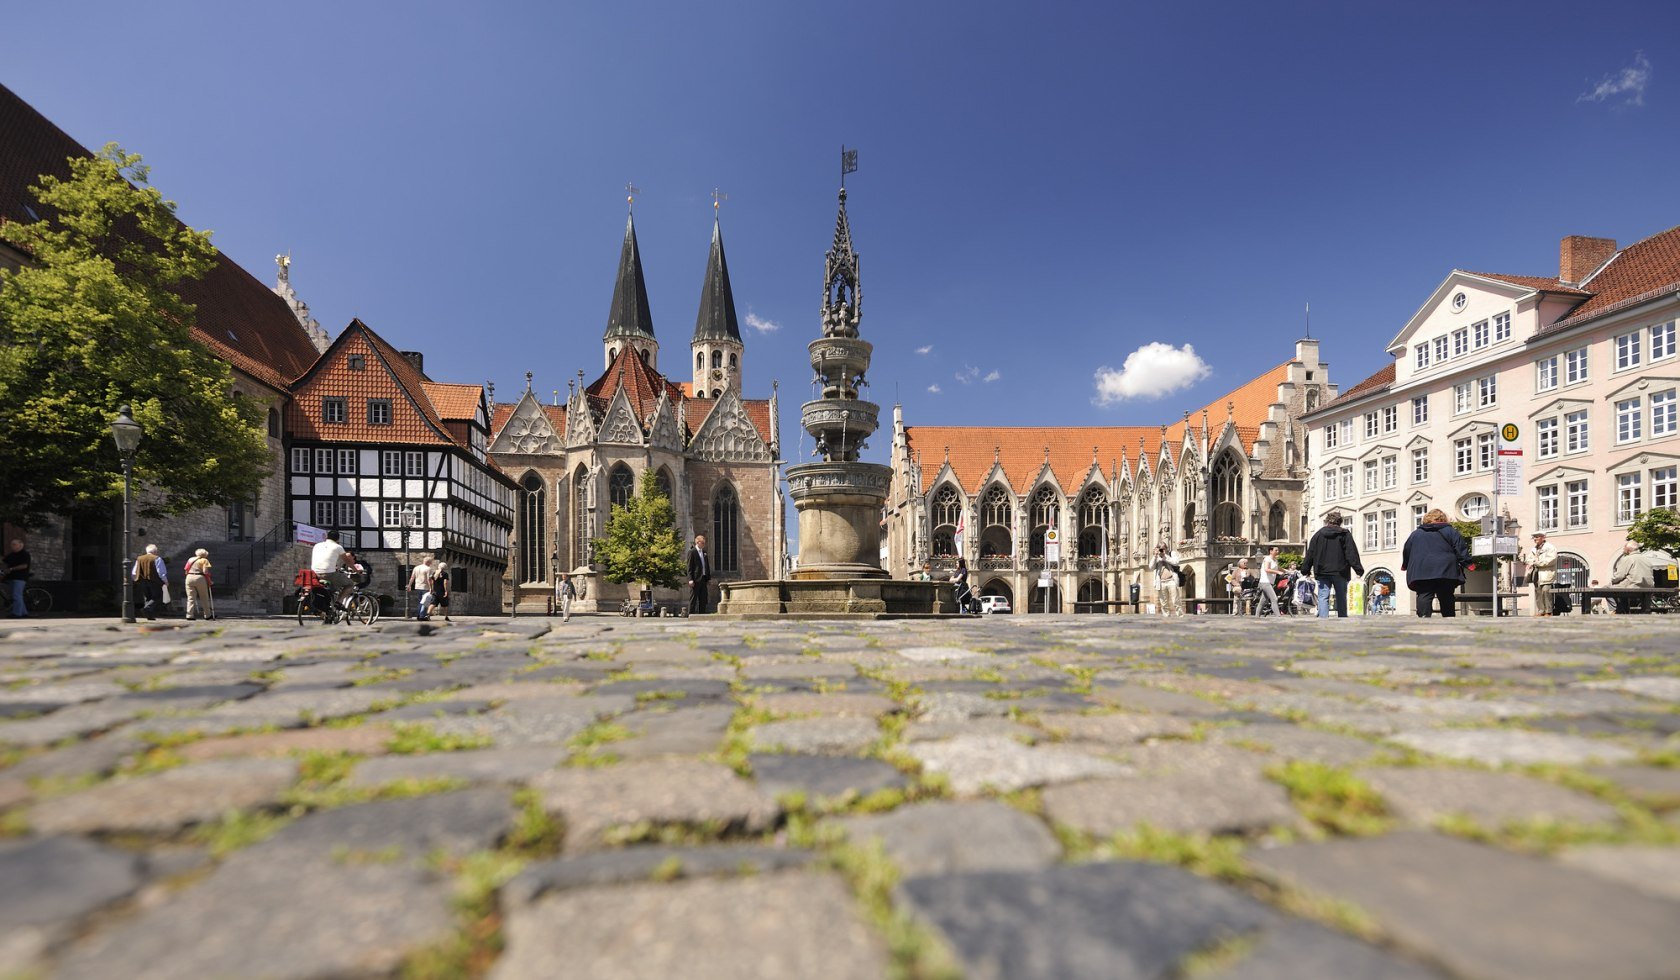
(629, 316)
(717, 301)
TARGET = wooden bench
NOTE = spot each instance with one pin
(1507, 601)
(1640, 600)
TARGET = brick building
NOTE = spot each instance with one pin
(713, 451)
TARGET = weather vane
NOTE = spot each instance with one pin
(632, 191)
(718, 197)
(848, 163)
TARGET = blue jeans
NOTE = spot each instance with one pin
(1329, 583)
(18, 609)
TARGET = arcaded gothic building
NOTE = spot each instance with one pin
(714, 452)
(1218, 485)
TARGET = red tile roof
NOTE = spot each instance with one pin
(1072, 449)
(1379, 381)
(642, 384)
(1542, 283)
(453, 402)
(1642, 271)
(239, 319)
(385, 374)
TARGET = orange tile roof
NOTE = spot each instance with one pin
(453, 402)
(641, 384)
(1543, 283)
(1376, 382)
(241, 320)
(1070, 450)
(1642, 271)
(385, 374)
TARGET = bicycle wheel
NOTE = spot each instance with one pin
(37, 601)
(304, 611)
(363, 609)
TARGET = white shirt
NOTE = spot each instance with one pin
(326, 557)
(421, 579)
(1166, 576)
(1269, 570)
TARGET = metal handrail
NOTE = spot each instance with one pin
(231, 574)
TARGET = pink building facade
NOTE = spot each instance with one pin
(1584, 364)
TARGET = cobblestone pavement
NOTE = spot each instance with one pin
(1015, 797)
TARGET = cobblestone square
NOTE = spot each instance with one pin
(1014, 796)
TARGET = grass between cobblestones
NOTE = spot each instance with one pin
(1334, 799)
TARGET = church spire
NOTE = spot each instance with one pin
(630, 320)
(716, 320)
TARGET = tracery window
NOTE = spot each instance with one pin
(726, 521)
(580, 516)
(621, 485)
(662, 480)
(947, 512)
(1046, 513)
(1277, 523)
(533, 548)
(997, 515)
(1227, 496)
(1093, 522)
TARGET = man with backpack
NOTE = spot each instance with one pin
(1331, 555)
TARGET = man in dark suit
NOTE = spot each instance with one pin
(699, 575)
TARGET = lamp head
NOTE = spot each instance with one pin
(126, 432)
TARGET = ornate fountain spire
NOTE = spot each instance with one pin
(841, 306)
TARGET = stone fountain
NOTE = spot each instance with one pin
(839, 500)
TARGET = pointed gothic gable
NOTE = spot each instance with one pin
(664, 433)
(580, 423)
(619, 424)
(527, 431)
(728, 434)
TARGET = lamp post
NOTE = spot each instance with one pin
(408, 520)
(126, 433)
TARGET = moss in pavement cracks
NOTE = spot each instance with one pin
(413, 738)
(1332, 798)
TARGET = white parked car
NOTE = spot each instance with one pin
(994, 604)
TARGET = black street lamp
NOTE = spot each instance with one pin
(126, 433)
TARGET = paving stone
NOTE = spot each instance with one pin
(95, 757)
(73, 722)
(832, 703)
(282, 919)
(943, 837)
(517, 691)
(975, 762)
(1197, 758)
(1498, 746)
(929, 731)
(692, 690)
(673, 731)
(1652, 784)
(68, 692)
(1135, 697)
(1659, 688)
(1485, 912)
(1652, 870)
(961, 705)
(170, 799)
(774, 926)
(823, 777)
(512, 766)
(1291, 742)
(1301, 949)
(1113, 921)
(537, 721)
(594, 801)
(817, 736)
(456, 823)
(1181, 802)
(1458, 709)
(1423, 795)
(50, 884)
(1114, 729)
(633, 864)
(804, 667)
(936, 654)
(368, 739)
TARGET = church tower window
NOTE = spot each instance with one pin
(717, 358)
(726, 521)
(533, 566)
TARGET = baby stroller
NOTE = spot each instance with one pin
(1284, 586)
(967, 602)
(1249, 595)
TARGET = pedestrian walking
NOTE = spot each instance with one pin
(1331, 555)
(151, 581)
(198, 586)
(1434, 559)
(567, 592)
(440, 590)
(17, 576)
(1238, 581)
(699, 575)
(1168, 582)
(420, 584)
(1542, 573)
(1269, 571)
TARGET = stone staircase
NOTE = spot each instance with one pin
(250, 577)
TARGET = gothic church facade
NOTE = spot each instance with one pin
(714, 452)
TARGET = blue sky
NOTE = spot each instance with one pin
(1043, 191)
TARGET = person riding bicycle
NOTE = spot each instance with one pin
(330, 563)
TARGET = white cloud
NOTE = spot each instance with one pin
(1630, 81)
(968, 375)
(1151, 371)
(934, 389)
(760, 324)
(925, 349)
(992, 376)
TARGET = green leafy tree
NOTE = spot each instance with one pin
(96, 323)
(1657, 529)
(642, 544)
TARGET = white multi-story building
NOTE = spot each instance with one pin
(1584, 364)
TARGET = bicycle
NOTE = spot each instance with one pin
(37, 601)
(318, 602)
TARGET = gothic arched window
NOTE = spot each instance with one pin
(643, 354)
(732, 361)
(1093, 521)
(1046, 513)
(947, 512)
(1277, 524)
(997, 519)
(726, 529)
(717, 358)
(1227, 496)
(700, 359)
(621, 485)
(580, 516)
(662, 480)
(274, 423)
(533, 537)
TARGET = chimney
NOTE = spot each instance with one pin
(1580, 256)
(417, 359)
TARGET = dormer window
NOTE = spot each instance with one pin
(356, 362)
